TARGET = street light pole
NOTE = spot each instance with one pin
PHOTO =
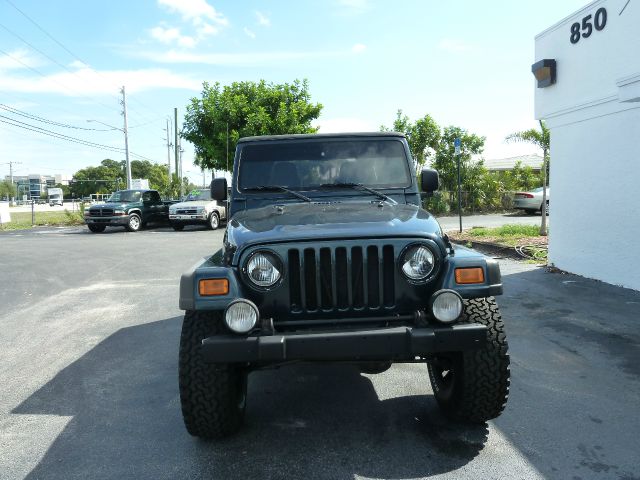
(126, 137)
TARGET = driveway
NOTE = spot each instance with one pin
(89, 330)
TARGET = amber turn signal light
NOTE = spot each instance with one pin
(213, 286)
(469, 275)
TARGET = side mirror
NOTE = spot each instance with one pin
(219, 189)
(429, 180)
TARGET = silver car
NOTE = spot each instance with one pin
(198, 208)
(530, 202)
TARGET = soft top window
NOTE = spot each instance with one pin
(305, 165)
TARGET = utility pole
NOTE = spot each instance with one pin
(456, 144)
(168, 151)
(227, 158)
(175, 143)
(126, 136)
(543, 209)
(181, 182)
(11, 164)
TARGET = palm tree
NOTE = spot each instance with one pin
(540, 138)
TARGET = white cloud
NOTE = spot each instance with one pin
(454, 45)
(17, 60)
(249, 33)
(86, 81)
(206, 19)
(196, 11)
(169, 35)
(345, 124)
(263, 20)
(358, 48)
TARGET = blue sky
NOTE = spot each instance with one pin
(465, 63)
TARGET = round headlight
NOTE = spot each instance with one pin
(241, 316)
(262, 269)
(446, 306)
(418, 262)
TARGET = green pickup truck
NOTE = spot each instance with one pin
(131, 209)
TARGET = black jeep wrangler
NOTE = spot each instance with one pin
(328, 257)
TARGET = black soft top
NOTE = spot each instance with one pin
(263, 138)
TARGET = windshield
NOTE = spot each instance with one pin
(125, 196)
(378, 163)
(195, 195)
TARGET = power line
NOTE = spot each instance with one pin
(52, 79)
(34, 128)
(30, 116)
(70, 52)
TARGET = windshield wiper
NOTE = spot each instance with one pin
(267, 188)
(359, 186)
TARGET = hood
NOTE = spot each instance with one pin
(308, 221)
(192, 204)
(122, 205)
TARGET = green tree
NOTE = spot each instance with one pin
(445, 160)
(105, 178)
(423, 136)
(244, 109)
(7, 190)
(542, 139)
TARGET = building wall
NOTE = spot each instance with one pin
(593, 112)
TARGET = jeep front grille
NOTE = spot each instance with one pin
(341, 278)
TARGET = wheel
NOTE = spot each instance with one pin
(178, 227)
(212, 396)
(473, 386)
(96, 228)
(134, 223)
(214, 221)
(373, 368)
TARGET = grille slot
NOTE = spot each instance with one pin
(101, 212)
(187, 211)
(341, 278)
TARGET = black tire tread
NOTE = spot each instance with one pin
(484, 386)
(208, 392)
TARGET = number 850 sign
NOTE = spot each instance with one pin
(585, 29)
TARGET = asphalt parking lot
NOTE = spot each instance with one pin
(89, 329)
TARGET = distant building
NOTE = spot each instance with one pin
(505, 164)
(35, 185)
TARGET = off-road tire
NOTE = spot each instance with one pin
(178, 227)
(135, 222)
(478, 389)
(214, 221)
(96, 228)
(212, 396)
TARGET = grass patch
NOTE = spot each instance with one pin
(506, 231)
(524, 239)
(22, 220)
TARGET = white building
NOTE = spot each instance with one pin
(588, 74)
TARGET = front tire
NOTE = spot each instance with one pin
(214, 221)
(178, 227)
(473, 386)
(212, 395)
(96, 228)
(134, 223)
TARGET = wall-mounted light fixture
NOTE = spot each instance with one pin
(545, 72)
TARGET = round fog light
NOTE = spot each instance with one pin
(446, 306)
(241, 316)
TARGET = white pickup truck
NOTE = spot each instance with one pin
(198, 208)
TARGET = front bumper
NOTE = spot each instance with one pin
(116, 220)
(188, 218)
(395, 343)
